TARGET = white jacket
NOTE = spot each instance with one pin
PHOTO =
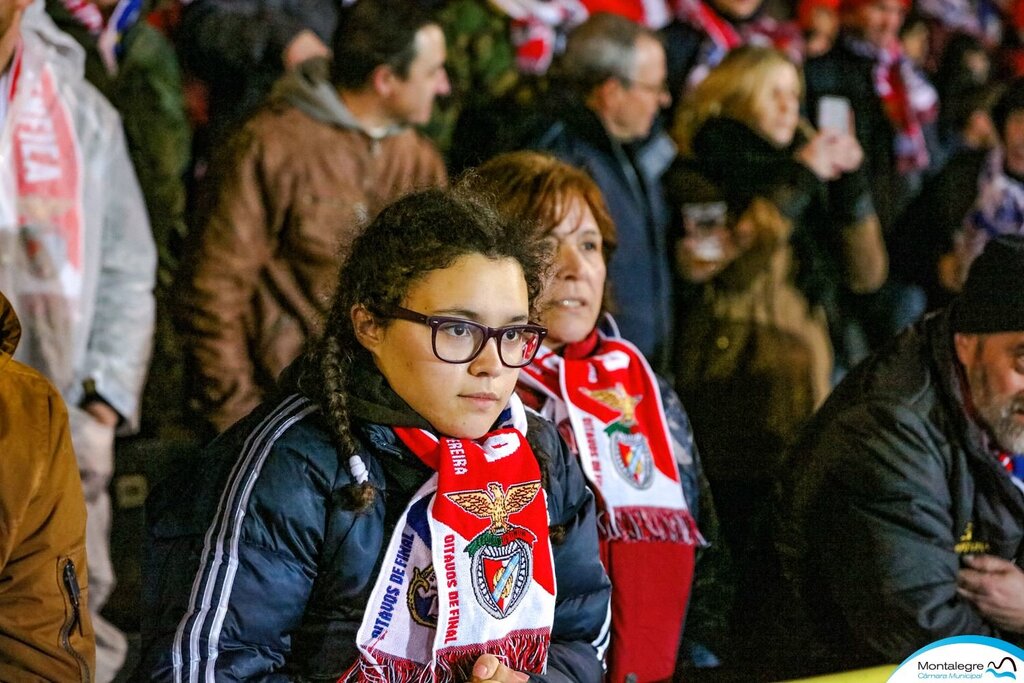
(110, 338)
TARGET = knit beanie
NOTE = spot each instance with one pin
(993, 296)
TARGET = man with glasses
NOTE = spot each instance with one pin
(616, 71)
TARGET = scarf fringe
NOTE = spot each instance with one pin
(390, 669)
(651, 524)
(524, 650)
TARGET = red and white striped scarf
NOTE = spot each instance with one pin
(538, 28)
(723, 36)
(607, 404)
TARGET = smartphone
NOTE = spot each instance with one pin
(834, 114)
(703, 223)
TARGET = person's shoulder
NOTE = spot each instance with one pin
(149, 55)
(277, 120)
(278, 137)
(17, 376)
(294, 436)
(410, 142)
(281, 450)
(816, 67)
(568, 129)
(831, 71)
(683, 33)
(896, 391)
(29, 398)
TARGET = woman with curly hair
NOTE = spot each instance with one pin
(394, 514)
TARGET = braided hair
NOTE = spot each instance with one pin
(418, 234)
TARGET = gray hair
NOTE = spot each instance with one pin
(602, 47)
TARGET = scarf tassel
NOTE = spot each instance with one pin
(389, 669)
(651, 524)
(525, 650)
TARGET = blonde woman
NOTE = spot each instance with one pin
(773, 219)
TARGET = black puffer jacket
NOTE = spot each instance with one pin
(290, 566)
(888, 488)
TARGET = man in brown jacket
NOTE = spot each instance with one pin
(304, 174)
(45, 629)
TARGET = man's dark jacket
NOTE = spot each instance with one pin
(630, 180)
(889, 486)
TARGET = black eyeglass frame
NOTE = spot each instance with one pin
(435, 321)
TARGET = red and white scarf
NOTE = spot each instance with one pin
(612, 402)
(109, 34)
(908, 99)
(606, 401)
(654, 14)
(723, 36)
(469, 569)
(42, 213)
(538, 29)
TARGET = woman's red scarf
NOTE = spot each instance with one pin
(606, 402)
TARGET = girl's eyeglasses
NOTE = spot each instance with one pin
(457, 340)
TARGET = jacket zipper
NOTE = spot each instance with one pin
(69, 580)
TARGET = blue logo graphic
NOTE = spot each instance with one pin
(963, 658)
(994, 669)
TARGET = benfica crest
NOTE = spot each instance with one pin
(502, 554)
(632, 458)
(631, 454)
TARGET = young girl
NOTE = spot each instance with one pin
(624, 424)
(384, 519)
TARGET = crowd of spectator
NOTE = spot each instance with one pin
(782, 345)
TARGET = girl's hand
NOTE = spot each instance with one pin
(488, 669)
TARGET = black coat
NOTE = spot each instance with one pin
(889, 486)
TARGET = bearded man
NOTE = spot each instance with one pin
(904, 505)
